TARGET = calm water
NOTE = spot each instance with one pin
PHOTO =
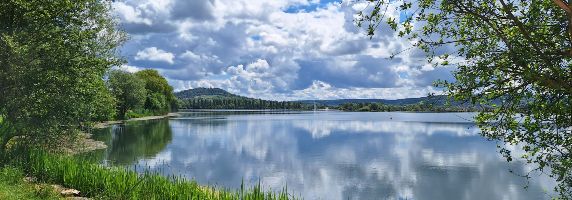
(327, 155)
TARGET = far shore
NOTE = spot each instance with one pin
(109, 123)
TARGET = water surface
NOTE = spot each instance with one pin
(326, 155)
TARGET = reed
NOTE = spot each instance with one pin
(94, 180)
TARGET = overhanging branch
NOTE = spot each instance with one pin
(564, 6)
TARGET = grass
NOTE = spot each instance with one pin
(13, 187)
(138, 113)
(101, 182)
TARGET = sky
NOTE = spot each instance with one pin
(273, 49)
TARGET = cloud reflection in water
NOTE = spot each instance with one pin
(343, 155)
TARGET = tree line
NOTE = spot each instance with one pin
(418, 107)
(219, 102)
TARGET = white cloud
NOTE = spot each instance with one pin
(154, 54)
(259, 66)
(191, 56)
(256, 48)
(129, 68)
(130, 14)
(322, 90)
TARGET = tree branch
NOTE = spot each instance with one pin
(564, 6)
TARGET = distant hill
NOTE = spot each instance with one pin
(206, 92)
(197, 92)
(216, 98)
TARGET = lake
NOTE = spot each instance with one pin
(326, 155)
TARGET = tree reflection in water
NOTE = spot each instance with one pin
(328, 155)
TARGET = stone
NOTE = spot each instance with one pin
(69, 192)
(77, 198)
(28, 179)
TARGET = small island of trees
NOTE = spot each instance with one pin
(139, 94)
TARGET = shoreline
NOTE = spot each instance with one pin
(86, 143)
(106, 124)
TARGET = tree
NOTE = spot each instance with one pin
(128, 89)
(53, 58)
(518, 53)
(160, 97)
(157, 102)
(104, 108)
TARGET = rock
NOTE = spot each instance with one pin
(28, 179)
(77, 198)
(65, 192)
(69, 192)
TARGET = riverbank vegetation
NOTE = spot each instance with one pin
(54, 57)
(141, 94)
(97, 181)
(56, 80)
(14, 187)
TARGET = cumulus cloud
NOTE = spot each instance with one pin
(323, 90)
(198, 10)
(277, 49)
(128, 68)
(131, 15)
(154, 54)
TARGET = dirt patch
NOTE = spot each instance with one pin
(83, 143)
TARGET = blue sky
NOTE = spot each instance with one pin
(281, 50)
(310, 6)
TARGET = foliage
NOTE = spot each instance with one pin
(54, 55)
(215, 98)
(138, 113)
(141, 94)
(518, 51)
(418, 107)
(218, 102)
(94, 180)
(103, 109)
(12, 187)
(128, 89)
(160, 97)
(436, 99)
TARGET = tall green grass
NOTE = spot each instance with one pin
(13, 187)
(94, 180)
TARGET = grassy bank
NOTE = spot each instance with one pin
(13, 187)
(97, 181)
